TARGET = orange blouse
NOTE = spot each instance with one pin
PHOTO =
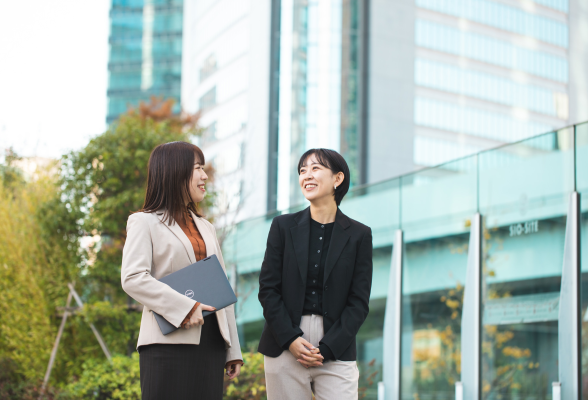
(190, 229)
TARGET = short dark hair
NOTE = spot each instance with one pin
(336, 163)
(170, 170)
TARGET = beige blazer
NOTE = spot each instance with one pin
(154, 249)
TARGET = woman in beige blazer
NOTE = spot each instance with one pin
(166, 235)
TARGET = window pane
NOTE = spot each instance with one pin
(582, 188)
(524, 194)
(378, 207)
(437, 206)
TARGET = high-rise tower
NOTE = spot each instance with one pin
(145, 53)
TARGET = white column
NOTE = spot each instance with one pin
(471, 315)
(569, 325)
(393, 322)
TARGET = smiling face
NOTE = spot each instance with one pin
(199, 177)
(317, 181)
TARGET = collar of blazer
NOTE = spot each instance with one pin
(301, 239)
(179, 233)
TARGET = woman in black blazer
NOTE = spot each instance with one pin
(314, 288)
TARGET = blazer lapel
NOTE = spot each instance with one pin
(301, 238)
(339, 239)
(179, 233)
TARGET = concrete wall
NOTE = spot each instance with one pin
(391, 89)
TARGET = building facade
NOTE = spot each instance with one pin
(393, 85)
(145, 53)
(487, 73)
(477, 267)
(226, 64)
(397, 86)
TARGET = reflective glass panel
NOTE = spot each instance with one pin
(582, 188)
(378, 207)
(436, 210)
(524, 190)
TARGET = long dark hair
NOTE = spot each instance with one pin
(169, 174)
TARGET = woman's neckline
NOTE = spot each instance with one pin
(320, 223)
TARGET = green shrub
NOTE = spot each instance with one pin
(250, 384)
(15, 386)
(103, 380)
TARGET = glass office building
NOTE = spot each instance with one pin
(320, 88)
(393, 85)
(145, 53)
(476, 274)
(486, 73)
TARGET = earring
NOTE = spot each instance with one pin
(335, 187)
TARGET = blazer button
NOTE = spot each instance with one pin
(326, 313)
(326, 288)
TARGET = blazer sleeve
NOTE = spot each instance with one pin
(345, 329)
(234, 351)
(137, 280)
(270, 289)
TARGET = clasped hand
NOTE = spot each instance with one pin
(305, 353)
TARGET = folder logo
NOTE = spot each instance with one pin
(189, 293)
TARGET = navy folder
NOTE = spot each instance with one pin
(205, 281)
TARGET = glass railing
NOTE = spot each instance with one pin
(522, 192)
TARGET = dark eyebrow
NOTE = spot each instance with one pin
(314, 163)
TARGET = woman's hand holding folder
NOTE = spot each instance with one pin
(197, 319)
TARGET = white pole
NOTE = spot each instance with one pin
(458, 391)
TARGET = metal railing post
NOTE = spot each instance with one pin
(471, 319)
(393, 322)
(570, 303)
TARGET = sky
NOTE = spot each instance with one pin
(53, 74)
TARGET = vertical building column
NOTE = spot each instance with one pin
(391, 88)
(393, 322)
(274, 105)
(577, 60)
(569, 324)
(471, 319)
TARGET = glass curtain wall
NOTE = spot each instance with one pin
(437, 207)
(145, 53)
(582, 188)
(481, 63)
(376, 206)
(319, 86)
(522, 192)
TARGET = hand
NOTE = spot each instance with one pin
(305, 353)
(197, 319)
(233, 371)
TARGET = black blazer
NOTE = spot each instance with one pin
(346, 290)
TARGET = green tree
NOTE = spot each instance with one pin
(106, 181)
(35, 260)
(43, 221)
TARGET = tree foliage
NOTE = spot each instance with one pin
(43, 223)
(38, 254)
(106, 181)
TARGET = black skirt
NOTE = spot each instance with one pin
(185, 371)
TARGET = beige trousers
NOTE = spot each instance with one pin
(287, 379)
